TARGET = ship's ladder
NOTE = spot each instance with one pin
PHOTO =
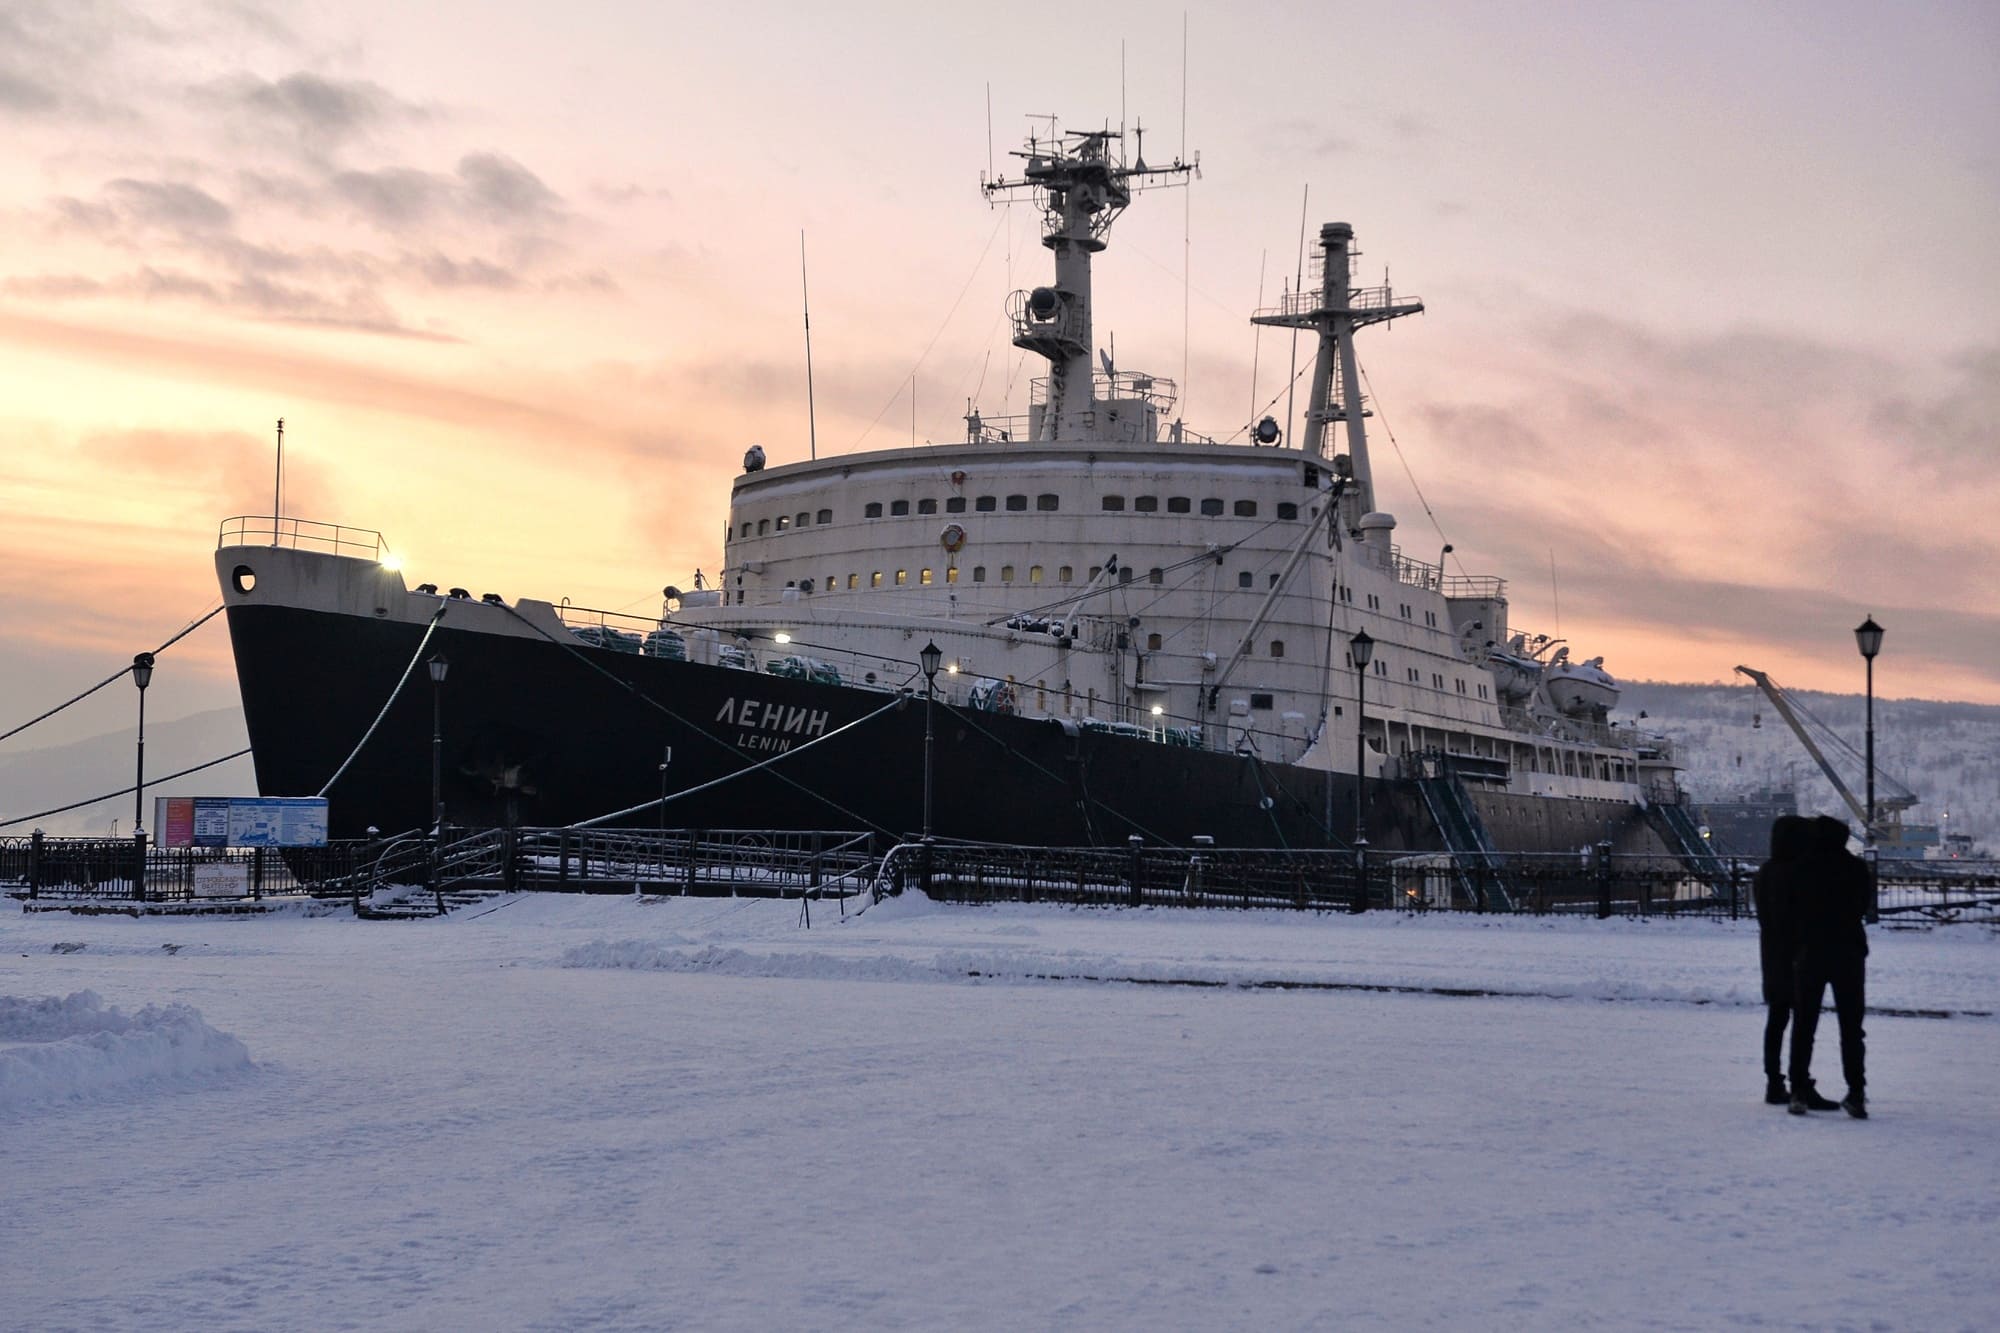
(1671, 820)
(1471, 847)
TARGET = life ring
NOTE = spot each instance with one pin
(952, 538)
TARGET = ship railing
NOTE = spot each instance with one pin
(1311, 299)
(302, 534)
(1422, 574)
(1578, 730)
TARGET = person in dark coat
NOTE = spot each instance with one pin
(1832, 947)
(1772, 891)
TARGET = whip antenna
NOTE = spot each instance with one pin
(805, 298)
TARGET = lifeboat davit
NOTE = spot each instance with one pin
(1582, 689)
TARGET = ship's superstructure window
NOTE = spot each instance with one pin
(1374, 602)
(783, 522)
(1146, 504)
(1211, 507)
(825, 517)
(1404, 607)
(951, 573)
(1277, 647)
(1273, 580)
(902, 577)
(1381, 667)
(979, 573)
(1034, 573)
(873, 510)
(1095, 570)
(927, 506)
(1113, 504)
(1178, 504)
(1124, 573)
(746, 527)
(986, 504)
(1153, 643)
(763, 526)
(1286, 509)
(875, 579)
(1048, 502)
(1016, 503)
(803, 520)
(1246, 509)
(924, 577)
(954, 504)
(1006, 573)
(1065, 574)
(1246, 580)
(1261, 702)
(1156, 576)
(898, 508)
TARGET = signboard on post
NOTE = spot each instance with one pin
(240, 821)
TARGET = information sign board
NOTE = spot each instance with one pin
(240, 821)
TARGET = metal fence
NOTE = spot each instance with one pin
(128, 870)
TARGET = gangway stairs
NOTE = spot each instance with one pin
(1466, 838)
(1676, 827)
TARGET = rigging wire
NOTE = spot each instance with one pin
(1394, 444)
(401, 681)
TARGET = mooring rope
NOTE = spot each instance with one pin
(123, 791)
(121, 671)
(401, 681)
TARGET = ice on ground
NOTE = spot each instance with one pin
(72, 1048)
(622, 1112)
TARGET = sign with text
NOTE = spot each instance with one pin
(240, 821)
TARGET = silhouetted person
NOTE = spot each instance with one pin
(1773, 890)
(1833, 943)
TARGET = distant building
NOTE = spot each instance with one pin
(1741, 825)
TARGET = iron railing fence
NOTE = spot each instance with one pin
(121, 869)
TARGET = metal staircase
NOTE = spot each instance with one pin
(1676, 827)
(1466, 838)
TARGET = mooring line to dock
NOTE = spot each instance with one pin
(120, 672)
(401, 681)
(122, 791)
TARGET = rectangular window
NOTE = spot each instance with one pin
(1277, 647)
(1261, 702)
(1246, 580)
(902, 577)
(1179, 504)
(1006, 573)
(746, 527)
(802, 521)
(924, 577)
(1017, 503)
(1124, 573)
(824, 517)
(1113, 503)
(1246, 509)
(1286, 509)
(1211, 507)
(1153, 643)
(986, 504)
(783, 522)
(1047, 503)
(951, 574)
(853, 582)
(979, 573)
(1146, 504)
(927, 506)
(1156, 576)
(954, 504)
(875, 579)
(1065, 574)
(763, 526)
(873, 509)
(899, 508)
(1034, 573)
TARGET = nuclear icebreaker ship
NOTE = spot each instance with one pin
(1140, 631)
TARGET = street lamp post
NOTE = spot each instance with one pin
(666, 758)
(142, 676)
(438, 667)
(1362, 649)
(1868, 638)
(930, 658)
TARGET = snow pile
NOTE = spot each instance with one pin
(74, 1048)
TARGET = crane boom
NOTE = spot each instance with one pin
(1784, 707)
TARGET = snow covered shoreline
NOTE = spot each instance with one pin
(616, 1113)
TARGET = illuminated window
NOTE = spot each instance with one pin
(783, 522)
(951, 574)
(875, 579)
(1034, 573)
(924, 576)
(902, 577)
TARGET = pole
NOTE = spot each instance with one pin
(278, 483)
(437, 759)
(930, 699)
(1360, 782)
(139, 785)
(1869, 836)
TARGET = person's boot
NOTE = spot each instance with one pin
(1856, 1104)
(1809, 1094)
(1798, 1105)
(1775, 1094)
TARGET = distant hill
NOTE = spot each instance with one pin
(1731, 742)
(36, 780)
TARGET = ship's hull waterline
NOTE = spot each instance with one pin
(541, 733)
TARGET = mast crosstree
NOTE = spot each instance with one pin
(1082, 182)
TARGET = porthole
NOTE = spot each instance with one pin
(243, 578)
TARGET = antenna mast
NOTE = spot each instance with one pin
(278, 484)
(805, 297)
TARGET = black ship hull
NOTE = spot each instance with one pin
(542, 733)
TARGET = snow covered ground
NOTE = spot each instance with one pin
(562, 1113)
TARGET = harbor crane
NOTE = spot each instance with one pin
(1888, 808)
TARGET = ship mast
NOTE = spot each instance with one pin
(1081, 188)
(1334, 312)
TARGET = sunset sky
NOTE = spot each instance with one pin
(1713, 329)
